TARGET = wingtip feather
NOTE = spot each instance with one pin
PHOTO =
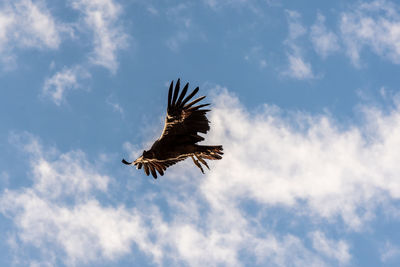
(194, 101)
(153, 171)
(182, 95)
(190, 96)
(146, 169)
(176, 92)
(170, 94)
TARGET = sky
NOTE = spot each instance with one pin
(305, 100)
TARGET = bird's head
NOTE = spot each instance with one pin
(146, 155)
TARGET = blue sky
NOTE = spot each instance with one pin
(305, 100)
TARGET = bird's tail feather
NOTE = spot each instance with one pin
(206, 152)
(211, 152)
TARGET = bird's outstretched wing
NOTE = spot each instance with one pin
(183, 123)
(154, 165)
(184, 120)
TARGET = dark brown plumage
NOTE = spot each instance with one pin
(178, 141)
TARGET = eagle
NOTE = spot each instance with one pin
(179, 138)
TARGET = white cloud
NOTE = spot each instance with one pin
(61, 217)
(338, 250)
(60, 209)
(6, 21)
(70, 173)
(375, 25)
(27, 24)
(304, 165)
(39, 27)
(325, 42)
(101, 17)
(305, 161)
(85, 232)
(66, 79)
(298, 68)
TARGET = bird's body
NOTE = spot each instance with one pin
(179, 138)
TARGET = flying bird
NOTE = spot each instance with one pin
(179, 138)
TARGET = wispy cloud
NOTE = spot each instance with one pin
(298, 68)
(102, 18)
(296, 28)
(256, 54)
(389, 252)
(4, 179)
(28, 24)
(255, 7)
(374, 25)
(176, 41)
(56, 86)
(325, 42)
(152, 10)
(114, 104)
(178, 15)
(338, 250)
(288, 250)
(220, 3)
